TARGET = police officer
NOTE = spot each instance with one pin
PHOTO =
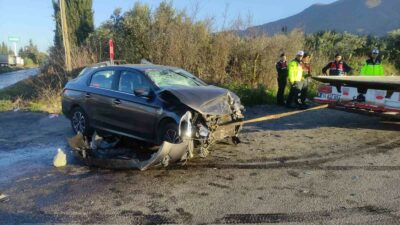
(295, 75)
(373, 66)
(306, 66)
(337, 67)
(282, 69)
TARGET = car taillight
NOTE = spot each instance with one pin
(325, 89)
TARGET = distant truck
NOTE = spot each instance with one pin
(9, 60)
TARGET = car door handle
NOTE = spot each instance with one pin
(87, 95)
(117, 101)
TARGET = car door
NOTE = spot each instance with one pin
(100, 98)
(136, 115)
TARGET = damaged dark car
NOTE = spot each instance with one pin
(152, 103)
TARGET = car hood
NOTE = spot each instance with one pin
(209, 100)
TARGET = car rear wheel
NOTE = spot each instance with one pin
(80, 122)
(170, 133)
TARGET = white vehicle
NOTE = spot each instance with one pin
(9, 60)
(375, 93)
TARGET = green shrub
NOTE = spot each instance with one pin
(250, 95)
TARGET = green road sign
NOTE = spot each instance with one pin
(13, 39)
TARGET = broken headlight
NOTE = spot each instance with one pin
(185, 125)
(203, 131)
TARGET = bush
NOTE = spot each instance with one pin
(250, 95)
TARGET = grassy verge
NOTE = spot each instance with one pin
(7, 69)
(41, 93)
(250, 95)
(259, 95)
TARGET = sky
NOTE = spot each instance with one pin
(33, 19)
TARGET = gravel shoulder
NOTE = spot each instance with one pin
(316, 167)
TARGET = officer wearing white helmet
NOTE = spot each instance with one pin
(296, 81)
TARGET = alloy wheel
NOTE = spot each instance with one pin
(79, 122)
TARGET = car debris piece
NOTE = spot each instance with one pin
(3, 197)
(106, 158)
(100, 142)
(60, 159)
(52, 116)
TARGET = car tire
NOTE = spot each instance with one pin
(170, 133)
(80, 122)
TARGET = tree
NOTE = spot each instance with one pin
(79, 16)
(5, 49)
(30, 53)
(393, 47)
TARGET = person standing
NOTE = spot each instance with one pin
(337, 67)
(306, 66)
(282, 69)
(295, 75)
(373, 66)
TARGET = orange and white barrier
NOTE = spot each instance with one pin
(376, 100)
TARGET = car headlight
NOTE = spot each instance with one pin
(203, 131)
(185, 125)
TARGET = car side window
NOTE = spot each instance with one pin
(130, 81)
(103, 79)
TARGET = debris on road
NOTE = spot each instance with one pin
(52, 116)
(103, 152)
(3, 197)
(60, 160)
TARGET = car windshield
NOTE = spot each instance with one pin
(173, 77)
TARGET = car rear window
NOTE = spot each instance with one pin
(103, 79)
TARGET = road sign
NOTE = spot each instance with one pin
(111, 45)
(13, 39)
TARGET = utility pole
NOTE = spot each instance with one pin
(65, 36)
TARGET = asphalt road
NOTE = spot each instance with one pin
(317, 167)
(7, 79)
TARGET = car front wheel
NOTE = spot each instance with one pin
(170, 133)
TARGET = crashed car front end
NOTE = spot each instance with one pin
(213, 121)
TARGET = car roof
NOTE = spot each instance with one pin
(140, 67)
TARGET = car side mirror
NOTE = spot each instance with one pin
(143, 92)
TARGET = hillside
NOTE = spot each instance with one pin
(375, 17)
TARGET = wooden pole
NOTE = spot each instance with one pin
(65, 36)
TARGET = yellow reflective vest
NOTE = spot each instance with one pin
(372, 69)
(295, 71)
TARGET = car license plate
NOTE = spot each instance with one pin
(329, 96)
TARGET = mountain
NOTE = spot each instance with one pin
(370, 17)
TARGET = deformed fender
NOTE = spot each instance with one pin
(167, 153)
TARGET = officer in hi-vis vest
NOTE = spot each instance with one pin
(373, 66)
(296, 81)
